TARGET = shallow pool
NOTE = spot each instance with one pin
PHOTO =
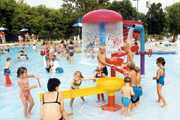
(11, 108)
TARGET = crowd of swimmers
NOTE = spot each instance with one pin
(52, 103)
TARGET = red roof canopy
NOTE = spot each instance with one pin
(132, 22)
(102, 16)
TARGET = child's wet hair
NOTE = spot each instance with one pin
(137, 69)
(71, 42)
(98, 69)
(21, 70)
(8, 59)
(78, 72)
(131, 65)
(52, 84)
(161, 60)
(127, 79)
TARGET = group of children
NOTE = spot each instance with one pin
(131, 91)
(53, 51)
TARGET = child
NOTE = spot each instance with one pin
(7, 72)
(127, 92)
(71, 51)
(136, 88)
(160, 75)
(49, 65)
(130, 55)
(99, 74)
(76, 83)
(78, 78)
(25, 88)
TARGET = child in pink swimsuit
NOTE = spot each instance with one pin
(25, 94)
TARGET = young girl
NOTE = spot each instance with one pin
(99, 74)
(78, 78)
(76, 83)
(160, 76)
(7, 72)
(127, 92)
(25, 88)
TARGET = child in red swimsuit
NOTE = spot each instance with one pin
(7, 72)
(25, 88)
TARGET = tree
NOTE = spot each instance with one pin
(155, 19)
(173, 16)
(125, 9)
(22, 17)
(7, 8)
(75, 9)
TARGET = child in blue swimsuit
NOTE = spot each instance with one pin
(127, 92)
(160, 75)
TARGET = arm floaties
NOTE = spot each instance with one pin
(119, 54)
(135, 48)
(115, 61)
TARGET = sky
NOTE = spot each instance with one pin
(141, 6)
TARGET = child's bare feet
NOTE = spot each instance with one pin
(27, 116)
(162, 104)
(158, 100)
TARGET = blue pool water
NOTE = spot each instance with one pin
(11, 108)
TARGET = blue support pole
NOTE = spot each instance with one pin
(102, 33)
(142, 48)
(140, 29)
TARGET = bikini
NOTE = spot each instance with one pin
(74, 85)
(7, 71)
(53, 102)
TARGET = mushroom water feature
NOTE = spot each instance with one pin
(101, 28)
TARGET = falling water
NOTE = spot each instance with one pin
(130, 36)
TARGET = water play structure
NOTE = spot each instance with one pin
(105, 27)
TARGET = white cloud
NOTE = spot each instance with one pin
(48, 3)
(141, 4)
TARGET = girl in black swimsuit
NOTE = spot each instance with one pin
(78, 78)
(53, 85)
(76, 83)
(53, 102)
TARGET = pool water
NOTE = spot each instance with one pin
(11, 107)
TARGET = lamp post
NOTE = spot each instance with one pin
(137, 4)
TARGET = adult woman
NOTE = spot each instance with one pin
(52, 107)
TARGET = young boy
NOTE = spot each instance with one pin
(127, 92)
(137, 88)
(160, 75)
(7, 72)
(99, 74)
